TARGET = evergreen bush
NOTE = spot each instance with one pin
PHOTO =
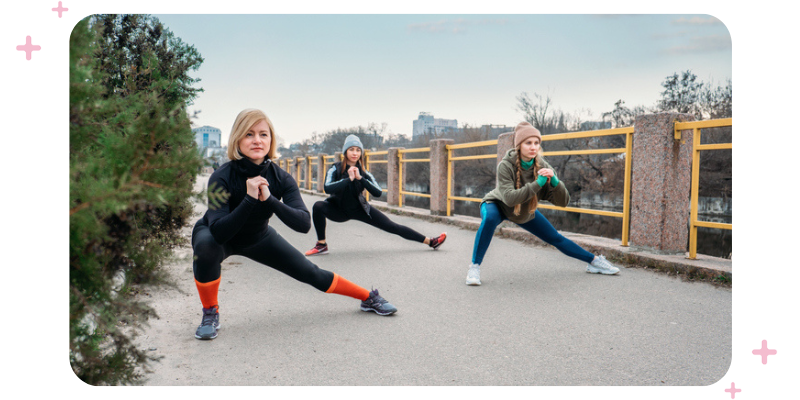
(133, 162)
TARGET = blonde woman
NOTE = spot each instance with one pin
(257, 189)
(523, 178)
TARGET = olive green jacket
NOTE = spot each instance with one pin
(506, 196)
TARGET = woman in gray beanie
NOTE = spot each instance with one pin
(523, 178)
(345, 182)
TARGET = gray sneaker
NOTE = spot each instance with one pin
(474, 275)
(209, 325)
(378, 304)
(601, 266)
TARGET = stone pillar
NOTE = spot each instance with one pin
(505, 142)
(337, 157)
(393, 176)
(661, 183)
(439, 175)
(321, 171)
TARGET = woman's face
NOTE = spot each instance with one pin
(529, 148)
(256, 142)
(353, 154)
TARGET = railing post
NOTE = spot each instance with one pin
(505, 142)
(321, 170)
(393, 176)
(298, 169)
(308, 172)
(438, 157)
(660, 183)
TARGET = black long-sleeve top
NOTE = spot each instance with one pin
(241, 219)
(349, 194)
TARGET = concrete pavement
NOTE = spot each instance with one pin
(538, 319)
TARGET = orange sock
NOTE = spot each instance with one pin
(346, 288)
(208, 292)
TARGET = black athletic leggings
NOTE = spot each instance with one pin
(324, 209)
(271, 250)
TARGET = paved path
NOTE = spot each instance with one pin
(538, 319)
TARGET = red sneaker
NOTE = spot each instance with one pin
(320, 248)
(437, 241)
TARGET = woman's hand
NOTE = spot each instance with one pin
(263, 192)
(547, 172)
(351, 173)
(356, 173)
(253, 185)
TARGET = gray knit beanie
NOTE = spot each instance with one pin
(351, 141)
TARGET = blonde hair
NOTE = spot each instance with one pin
(518, 182)
(244, 121)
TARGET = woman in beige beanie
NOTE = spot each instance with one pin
(523, 178)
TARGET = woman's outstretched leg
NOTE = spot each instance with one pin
(274, 251)
(544, 230)
(379, 220)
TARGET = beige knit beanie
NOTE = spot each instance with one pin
(523, 131)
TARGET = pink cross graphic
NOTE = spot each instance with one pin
(764, 352)
(60, 9)
(28, 48)
(733, 390)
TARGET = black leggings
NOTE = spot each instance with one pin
(271, 250)
(324, 209)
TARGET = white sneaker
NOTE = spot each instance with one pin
(601, 266)
(474, 275)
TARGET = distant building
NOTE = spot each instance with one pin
(427, 124)
(207, 137)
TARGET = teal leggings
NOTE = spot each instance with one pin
(491, 216)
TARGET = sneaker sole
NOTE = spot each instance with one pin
(473, 283)
(378, 312)
(208, 338)
(592, 270)
(317, 254)
(205, 338)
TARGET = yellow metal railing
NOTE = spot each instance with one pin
(326, 161)
(628, 132)
(696, 126)
(450, 160)
(402, 160)
(311, 161)
(298, 163)
(368, 161)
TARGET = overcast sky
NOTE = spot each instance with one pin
(314, 73)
